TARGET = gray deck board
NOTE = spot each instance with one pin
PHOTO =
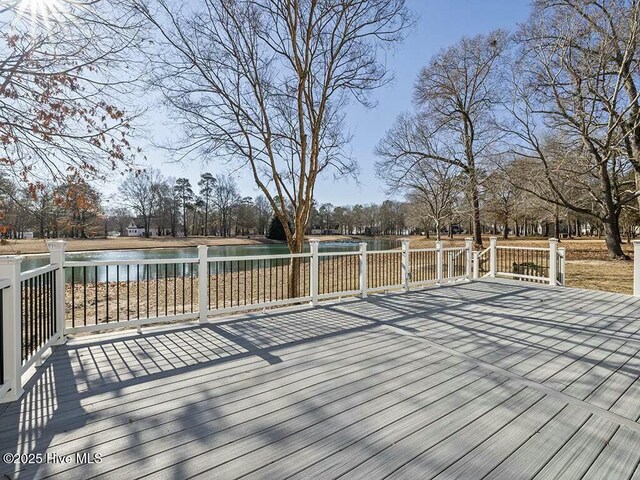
(495, 379)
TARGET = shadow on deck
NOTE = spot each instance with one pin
(458, 381)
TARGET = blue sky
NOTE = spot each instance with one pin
(441, 23)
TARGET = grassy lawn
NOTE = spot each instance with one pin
(15, 247)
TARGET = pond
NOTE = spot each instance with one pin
(34, 261)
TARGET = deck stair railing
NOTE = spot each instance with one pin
(532, 264)
(40, 307)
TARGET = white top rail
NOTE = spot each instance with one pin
(338, 254)
(537, 249)
(37, 271)
(257, 257)
(384, 251)
(423, 250)
(146, 261)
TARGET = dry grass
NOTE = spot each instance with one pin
(587, 264)
(16, 247)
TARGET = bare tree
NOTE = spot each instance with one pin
(207, 184)
(615, 26)
(184, 193)
(456, 99)
(63, 67)
(566, 119)
(263, 212)
(433, 184)
(141, 193)
(264, 83)
(225, 198)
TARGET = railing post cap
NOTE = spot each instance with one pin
(636, 242)
(11, 259)
(203, 247)
(404, 240)
(314, 240)
(56, 245)
(553, 240)
(468, 239)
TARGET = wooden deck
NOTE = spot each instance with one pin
(490, 379)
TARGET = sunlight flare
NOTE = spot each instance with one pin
(41, 12)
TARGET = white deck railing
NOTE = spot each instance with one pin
(534, 264)
(41, 306)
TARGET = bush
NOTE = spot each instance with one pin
(275, 230)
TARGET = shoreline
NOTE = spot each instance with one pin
(38, 246)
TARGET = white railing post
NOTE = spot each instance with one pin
(11, 325)
(553, 264)
(439, 262)
(468, 246)
(636, 268)
(476, 264)
(563, 255)
(313, 281)
(493, 256)
(203, 283)
(56, 257)
(363, 270)
(406, 273)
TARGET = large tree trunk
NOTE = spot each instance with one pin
(475, 212)
(505, 231)
(613, 240)
(296, 265)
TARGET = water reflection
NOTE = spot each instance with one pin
(134, 272)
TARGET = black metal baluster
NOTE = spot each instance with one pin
(224, 283)
(73, 296)
(45, 303)
(191, 286)
(84, 288)
(95, 284)
(147, 271)
(270, 280)
(183, 291)
(157, 289)
(128, 294)
(138, 291)
(277, 266)
(107, 291)
(217, 291)
(38, 313)
(166, 289)
(32, 311)
(209, 265)
(117, 293)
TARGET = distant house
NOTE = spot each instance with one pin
(134, 230)
(28, 235)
